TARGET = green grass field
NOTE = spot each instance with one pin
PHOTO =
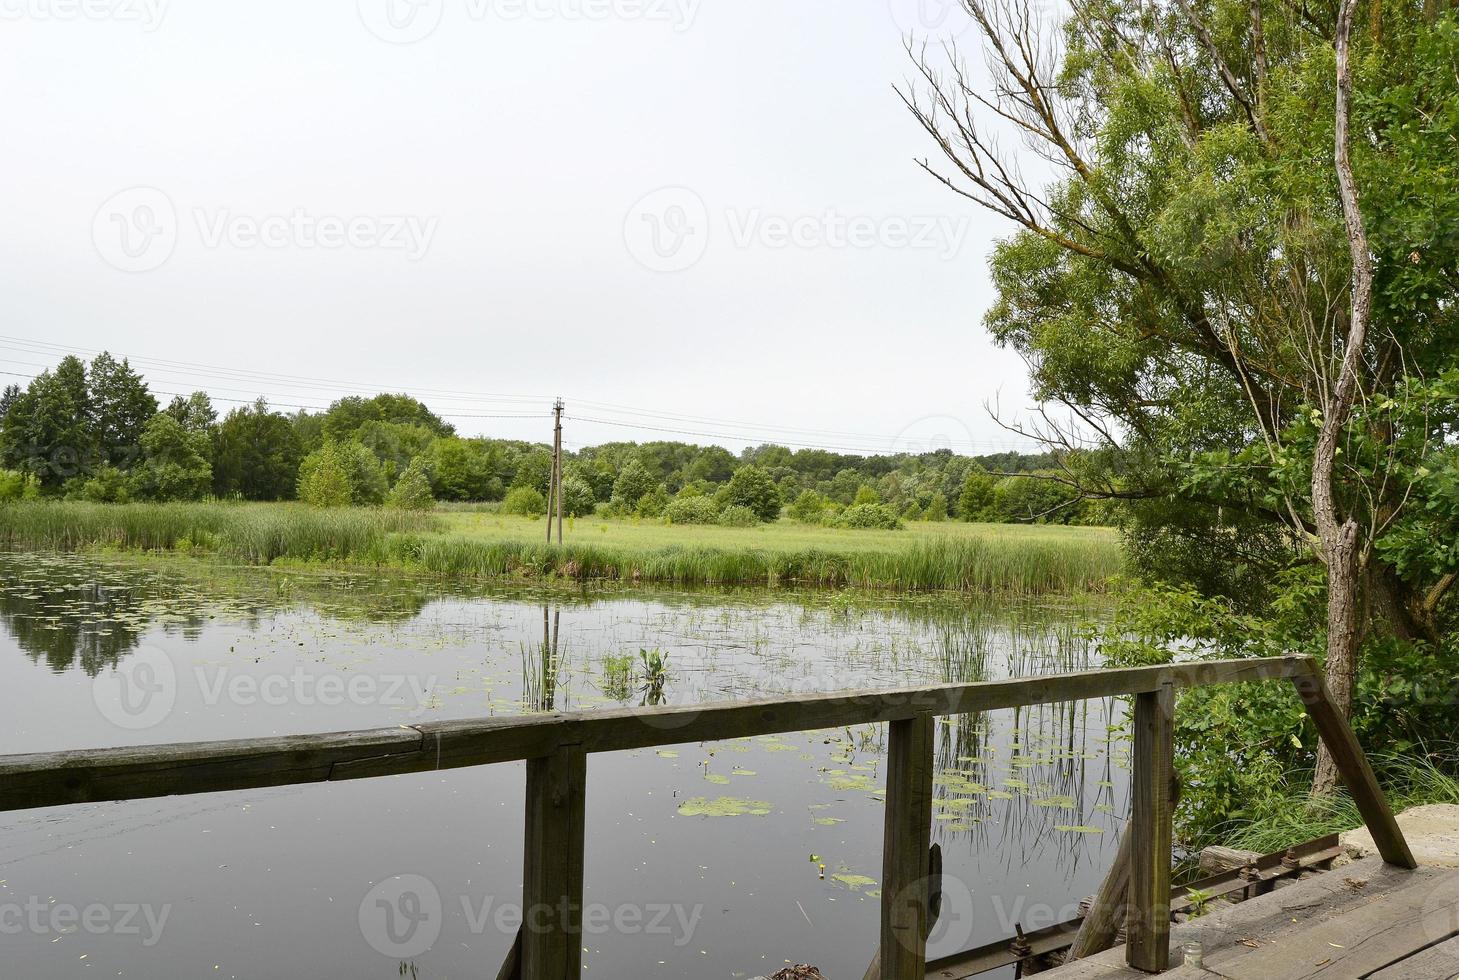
(1028, 560)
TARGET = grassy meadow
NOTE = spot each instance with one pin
(1016, 559)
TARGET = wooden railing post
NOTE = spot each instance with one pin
(552, 868)
(906, 865)
(1152, 772)
(1357, 774)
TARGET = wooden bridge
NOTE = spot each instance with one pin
(556, 746)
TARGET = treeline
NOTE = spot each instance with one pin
(96, 432)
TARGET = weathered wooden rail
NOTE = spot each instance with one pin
(556, 746)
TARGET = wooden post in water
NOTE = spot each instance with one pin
(906, 862)
(552, 872)
(1147, 946)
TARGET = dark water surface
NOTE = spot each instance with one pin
(724, 859)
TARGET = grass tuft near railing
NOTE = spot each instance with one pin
(264, 533)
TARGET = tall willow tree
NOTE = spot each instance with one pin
(1240, 279)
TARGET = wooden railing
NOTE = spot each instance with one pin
(556, 746)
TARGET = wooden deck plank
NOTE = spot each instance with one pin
(1439, 961)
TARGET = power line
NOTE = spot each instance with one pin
(620, 416)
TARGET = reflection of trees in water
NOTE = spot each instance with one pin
(75, 611)
(83, 632)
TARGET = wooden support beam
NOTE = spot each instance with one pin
(1357, 774)
(906, 862)
(1147, 946)
(1101, 927)
(552, 875)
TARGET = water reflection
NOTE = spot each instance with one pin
(1028, 802)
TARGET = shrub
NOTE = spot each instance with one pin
(413, 490)
(652, 504)
(809, 507)
(524, 502)
(866, 495)
(936, 508)
(753, 487)
(577, 497)
(13, 485)
(691, 510)
(107, 485)
(324, 478)
(736, 515)
(868, 516)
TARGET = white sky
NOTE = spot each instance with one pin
(502, 169)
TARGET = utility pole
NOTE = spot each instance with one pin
(554, 490)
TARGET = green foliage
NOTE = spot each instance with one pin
(175, 461)
(975, 499)
(653, 503)
(753, 488)
(525, 502)
(465, 469)
(412, 491)
(809, 507)
(15, 486)
(737, 515)
(577, 496)
(324, 478)
(120, 407)
(257, 455)
(348, 415)
(634, 483)
(107, 484)
(867, 516)
(865, 495)
(936, 509)
(691, 510)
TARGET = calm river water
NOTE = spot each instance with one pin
(724, 860)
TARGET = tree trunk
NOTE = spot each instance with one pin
(1339, 535)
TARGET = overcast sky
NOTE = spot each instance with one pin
(706, 211)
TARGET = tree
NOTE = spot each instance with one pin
(324, 478)
(395, 444)
(1224, 312)
(48, 429)
(175, 461)
(364, 480)
(634, 481)
(347, 415)
(463, 469)
(257, 455)
(412, 491)
(195, 413)
(121, 406)
(752, 487)
(975, 502)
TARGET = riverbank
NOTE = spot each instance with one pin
(1013, 559)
